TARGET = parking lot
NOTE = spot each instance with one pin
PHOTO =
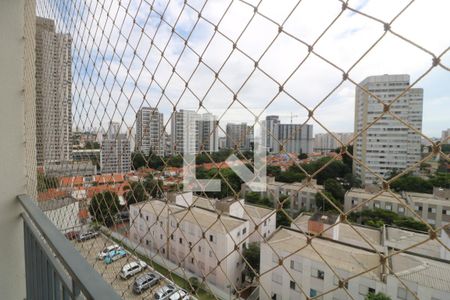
(90, 248)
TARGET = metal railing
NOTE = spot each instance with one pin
(54, 268)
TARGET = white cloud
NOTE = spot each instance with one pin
(425, 22)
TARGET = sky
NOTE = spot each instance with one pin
(132, 54)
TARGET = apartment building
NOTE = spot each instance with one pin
(239, 136)
(262, 220)
(294, 267)
(53, 93)
(271, 124)
(293, 138)
(193, 132)
(326, 142)
(115, 151)
(150, 131)
(193, 237)
(433, 208)
(387, 144)
(445, 137)
(301, 194)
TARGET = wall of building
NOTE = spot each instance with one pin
(16, 151)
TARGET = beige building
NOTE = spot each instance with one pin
(53, 93)
(150, 131)
(432, 208)
(340, 255)
(201, 240)
(302, 194)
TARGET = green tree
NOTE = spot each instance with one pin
(335, 189)
(282, 206)
(324, 204)
(138, 160)
(377, 296)
(253, 197)
(252, 255)
(136, 193)
(302, 156)
(411, 183)
(45, 182)
(103, 207)
(273, 170)
(290, 176)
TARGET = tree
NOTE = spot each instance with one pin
(324, 204)
(290, 176)
(282, 207)
(136, 193)
(378, 217)
(195, 284)
(302, 156)
(103, 207)
(411, 183)
(138, 160)
(45, 182)
(252, 197)
(377, 296)
(252, 255)
(335, 189)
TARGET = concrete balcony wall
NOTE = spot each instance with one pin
(16, 144)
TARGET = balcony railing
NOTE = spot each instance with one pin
(54, 268)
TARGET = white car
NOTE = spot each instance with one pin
(179, 295)
(164, 292)
(132, 268)
(101, 255)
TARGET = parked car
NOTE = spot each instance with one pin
(145, 281)
(164, 292)
(122, 216)
(84, 236)
(114, 255)
(101, 255)
(179, 295)
(72, 235)
(132, 269)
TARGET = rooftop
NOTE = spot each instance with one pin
(343, 257)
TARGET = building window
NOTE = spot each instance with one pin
(244, 231)
(295, 265)
(211, 238)
(200, 249)
(292, 285)
(210, 253)
(316, 273)
(401, 209)
(146, 218)
(312, 293)
(388, 207)
(181, 241)
(160, 236)
(147, 242)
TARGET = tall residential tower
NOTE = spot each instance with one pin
(150, 135)
(53, 94)
(387, 145)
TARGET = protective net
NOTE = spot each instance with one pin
(175, 146)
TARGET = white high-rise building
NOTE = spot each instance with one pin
(272, 131)
(445, 136)
(239, 136)
(150, 135)
(294, 138)
(325, 142)
(115, 152)
(193, 132)
(387, 144)
(53, 93)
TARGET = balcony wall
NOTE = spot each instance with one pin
(16, 114)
